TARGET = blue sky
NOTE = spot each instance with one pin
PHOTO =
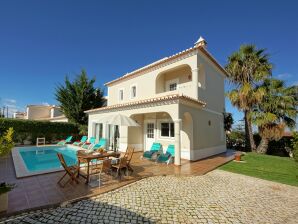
(42, 41)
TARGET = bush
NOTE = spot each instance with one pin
(236, 140)
(295, 146)
(29, 130)
(6, 142)
(4, 187)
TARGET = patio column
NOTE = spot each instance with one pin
(195, 81)
(177, 142)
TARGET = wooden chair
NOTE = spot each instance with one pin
(71, 171)
(129, 153)
(120, 166)
(104, 166)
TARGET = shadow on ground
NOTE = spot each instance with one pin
(85, 211)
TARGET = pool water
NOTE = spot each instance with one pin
(47, 159)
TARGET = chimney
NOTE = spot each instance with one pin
(201, 42)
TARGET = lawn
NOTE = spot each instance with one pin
(279, 169)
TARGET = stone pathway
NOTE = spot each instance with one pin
(217, 197)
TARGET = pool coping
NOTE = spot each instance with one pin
(20, 166)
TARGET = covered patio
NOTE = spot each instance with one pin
(164, 119)
(42, 190)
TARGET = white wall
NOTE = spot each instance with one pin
(145, 83)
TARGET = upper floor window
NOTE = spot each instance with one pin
(121, 94)
(171, 85)
(133, 92)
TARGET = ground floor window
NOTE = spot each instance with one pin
(167, 129)
(98, 131)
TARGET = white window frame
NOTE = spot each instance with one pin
(159, 126)
(119, 98)
(131, 96)
(172, 81)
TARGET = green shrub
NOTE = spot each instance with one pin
(6, 142)
(295, 146)
(30, 130)
(5, 187)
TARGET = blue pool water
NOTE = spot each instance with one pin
(48, 159)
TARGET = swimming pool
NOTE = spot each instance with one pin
(36, 160)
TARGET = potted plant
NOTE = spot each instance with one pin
(6, 144)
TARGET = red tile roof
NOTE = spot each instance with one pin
(141, 71)
(150, 100)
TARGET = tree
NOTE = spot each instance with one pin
(228, 121)
(295, 145)
(246, 68)
(276, 112)
(78, 96)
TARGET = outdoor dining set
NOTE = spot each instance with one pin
(95, 162)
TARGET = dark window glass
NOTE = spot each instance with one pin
(172, 133)
(165, 129)
(173, 86)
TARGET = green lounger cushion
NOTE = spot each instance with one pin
(102, 144)
(170, 153)
(91, 141)
(82, 141)
(67, 140)
(154, 149)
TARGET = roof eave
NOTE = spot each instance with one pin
(201, 48)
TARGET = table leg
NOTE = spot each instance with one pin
(78, 168)
(87, 179)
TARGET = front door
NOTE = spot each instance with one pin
(150, 135)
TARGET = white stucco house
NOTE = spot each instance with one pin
(50, 113)
(176, 100)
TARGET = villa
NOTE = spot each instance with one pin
(50, 113)
(176, 100)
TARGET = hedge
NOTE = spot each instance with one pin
(29, 130)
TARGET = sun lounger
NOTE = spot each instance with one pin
(155, 148)
(67, 140)
(81, 142)
(102, 144)
(168, 156)
(89, 143)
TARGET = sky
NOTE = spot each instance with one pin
(43, 41)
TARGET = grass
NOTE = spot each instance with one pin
(279, 169)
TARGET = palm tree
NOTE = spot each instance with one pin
(247, 67)
(276, 112)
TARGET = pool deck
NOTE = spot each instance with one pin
(20, 167)
(42, 190)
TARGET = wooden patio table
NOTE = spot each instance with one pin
(88, 157)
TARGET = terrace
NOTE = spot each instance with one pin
(42, 190)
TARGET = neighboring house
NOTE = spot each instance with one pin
(177, 100)
(19, 115)
(42, 112)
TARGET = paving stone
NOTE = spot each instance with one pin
(217, 197)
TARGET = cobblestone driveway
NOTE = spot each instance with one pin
(217, 197)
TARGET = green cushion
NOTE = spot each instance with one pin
(155, 146)
(171, 150)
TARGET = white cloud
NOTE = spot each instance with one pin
(45, 104)
(284, 76)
